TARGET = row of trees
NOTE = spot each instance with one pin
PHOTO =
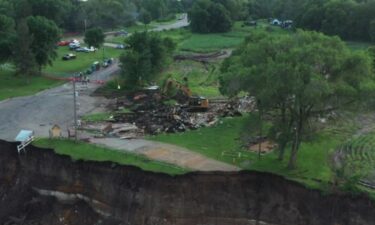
(145, 58)
(296, 78)
(29, 29)
(350, 19)
(27, 40)
(75, 15)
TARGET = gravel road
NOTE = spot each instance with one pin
(166, 153)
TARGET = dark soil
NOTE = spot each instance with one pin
(44, 188)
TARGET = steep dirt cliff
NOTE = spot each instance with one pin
(44, 188)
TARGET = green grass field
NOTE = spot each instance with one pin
(97, 117)
(313, 156)
(15, 86)
(188, 41)
(82, 62)
(88, 152)
(202, 80)
(209, 42)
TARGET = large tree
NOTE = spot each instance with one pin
(51, 9)
(45, 34)
(146, 57)
(296, 77)
(209, 17)
(7, 37)
(94, 37)
(23, 57)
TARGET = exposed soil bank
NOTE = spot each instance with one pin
(44, 188)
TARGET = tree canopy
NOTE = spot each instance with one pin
(7, 37)
(209, 17)
(296, 77)
(146, 57)
(75, 15)
(45, 35)
(94, 37)
(347, 19)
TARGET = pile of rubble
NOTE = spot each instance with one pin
(168, 119)
(150, 115)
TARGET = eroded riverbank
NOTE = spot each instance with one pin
(44, 188)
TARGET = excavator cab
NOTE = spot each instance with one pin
(194, 103)
(198, 103)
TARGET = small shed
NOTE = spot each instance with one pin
(55, 131)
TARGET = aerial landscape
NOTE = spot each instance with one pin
(187, 112)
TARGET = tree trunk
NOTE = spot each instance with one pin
(260, 130)
(282, 146)
(40, 70)
(283, 140)
(296, 143)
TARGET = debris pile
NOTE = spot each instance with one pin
(202, 58)
(150, 113)
(261, 143)
(164, 118)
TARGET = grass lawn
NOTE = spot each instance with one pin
(202, 81)
(82, 62)
(97, 117)
(192, 42)
(209, 42)
(188, 41)
(312, 162)
(88, 152)
(15, 86)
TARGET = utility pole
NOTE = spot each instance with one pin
(85, 24)
(103, 52)
(75, 108)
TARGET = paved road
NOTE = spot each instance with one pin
(166, 153)
(179, 24)
(53, 106)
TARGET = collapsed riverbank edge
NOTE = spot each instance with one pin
(126, 193)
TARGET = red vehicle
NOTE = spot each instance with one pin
(63, 43)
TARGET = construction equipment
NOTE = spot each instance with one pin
(193, 102)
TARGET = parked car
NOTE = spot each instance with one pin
(79, 50)
(74, 45)
(106, 62)
(120, 46)
(63, 43)
(69, 56)
(91, 49)
(121, 33)
(95, 66)
(74, 41)
(85, 49)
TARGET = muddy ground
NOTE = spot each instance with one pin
(43, 188)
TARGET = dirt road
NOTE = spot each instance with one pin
(166, 153)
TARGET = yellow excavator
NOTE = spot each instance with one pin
(194, 102)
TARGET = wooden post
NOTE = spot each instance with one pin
(75, 109)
